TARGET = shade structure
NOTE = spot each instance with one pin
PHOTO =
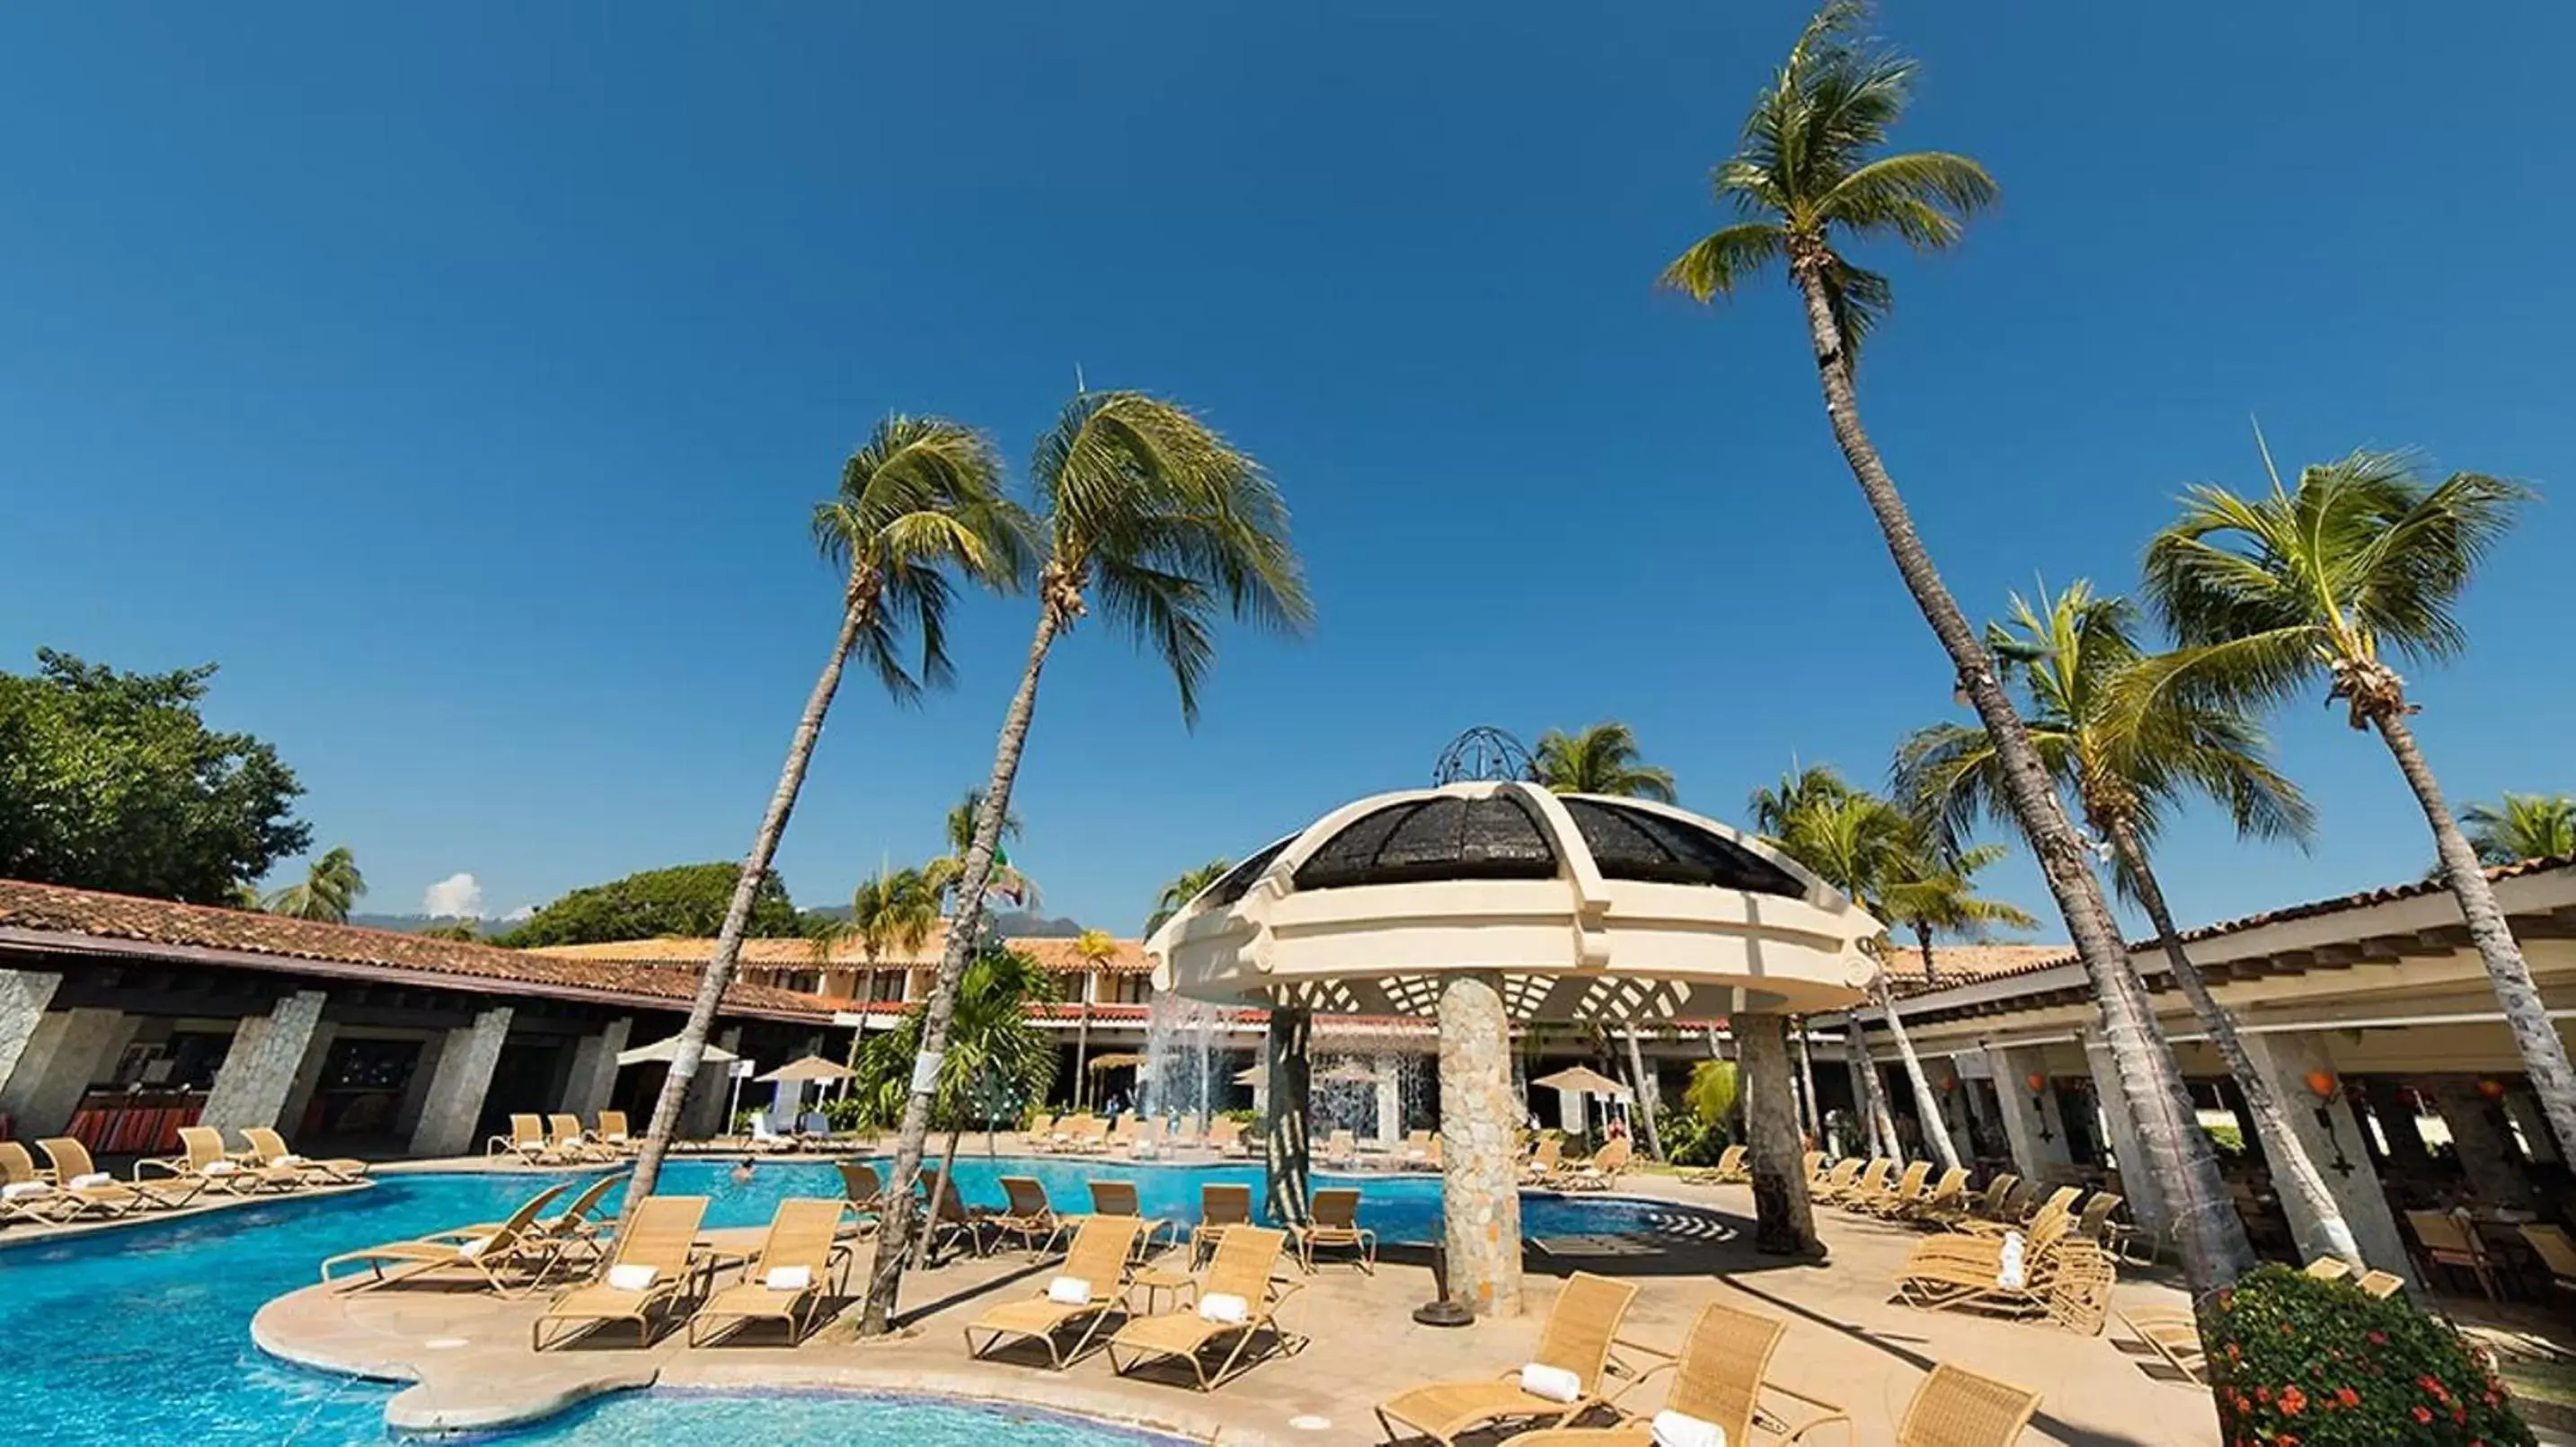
(811, 1067)
(663, 1050)
(1584, 1080)
(1115, 1060)
(1588, 908)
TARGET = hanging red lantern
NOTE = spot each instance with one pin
(2322, 1084)
(2491, 1089)
(2037, 1082)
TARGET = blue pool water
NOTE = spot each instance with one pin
(144, 1334)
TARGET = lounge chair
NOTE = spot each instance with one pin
(99, 1193)
(1334, 1224)
(865, 1191)
(1939, 1200)
(1729, 1170)
(1830, 1187)
(613, 1133)
(1877, 1182)
(762, 1139)
(1243, 1270)
(1599, 1173)
(2556, 1252)
(1118, 1198)
(1546, 1158)
(527, 1141)
(788, 1280)
(570, 1141)
(1901, 1198)
(213, 1168)
(2174, 1338)
(1225, 1136)
(2060, 1202)
(1085, 1289)
(1982, 1205)
(1222, 1207)
(1187, 1132)
(2449, 1241)
(1576, 1341)
(268, 1149)
(1341, 1148)
(950, 1216)
(652, 1264)
(1958, 1408)
(516, 1248)
(2065, 1278)
(25, 1194)
(1148, 1139)
(1718, 1379)
(1026, 1215)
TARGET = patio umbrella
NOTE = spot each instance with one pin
(1583, 1080)
(1350, 1075)
(812, 1067)
(1115, 1061)
(663, 1050)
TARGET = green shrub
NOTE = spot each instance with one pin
(2294, 1360)
(1242, 1117)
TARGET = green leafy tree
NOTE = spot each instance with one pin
(2361, 565)
(1808, 180)
(1602, 759)
(113, 781)
(919, 502)
(2128, 761)
(1189, 885)
(1146, 511)
(2520, 827)
(684, 901)
(331, 884)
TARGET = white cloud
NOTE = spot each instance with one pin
(521, 915)
(455, 897)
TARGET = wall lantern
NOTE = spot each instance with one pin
(2323, 1085)
(2491, 1089)
(2037, 1082)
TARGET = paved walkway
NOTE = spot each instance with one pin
(470, 1357)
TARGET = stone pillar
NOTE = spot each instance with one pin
(1287, 1152)
(1480, 1155)
(1390, 1100)
(67, 1052)
(594, 1070)
(2523, 1108)
(2031, 1126)
(2286, 1060)
(2484, 1145)
(702, 1115)
(1784, 1221)
(308, 1079)
(2129, 1152)
(260, 1069)
(24, 994)
(454, 1105)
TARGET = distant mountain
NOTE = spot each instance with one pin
(1014, 924)
(412, 924)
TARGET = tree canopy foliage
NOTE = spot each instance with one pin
(686, 900)
(113, 781)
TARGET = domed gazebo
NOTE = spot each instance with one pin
(1484, 904)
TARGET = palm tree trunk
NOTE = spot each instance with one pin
(1880, 1126)
(1927, 1106)
(1784, 1219)
(947, 1187)
(1081, 1044)
(885, 1279)
(2292, 1170)
(2544, 1055)
(2179, 1159)
(1644, 1085)
(691, 1052)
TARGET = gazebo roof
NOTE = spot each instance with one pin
(1590, 908)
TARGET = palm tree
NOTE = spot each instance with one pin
(2127, 762)
(331, 884)
(1147, 510)
(2362, 563)
(1190, 885)
(1602, 759)
(2522, 826)
(893, 912)
(1095, 948)
(945, 871)
(923, 496)
(1806, 180)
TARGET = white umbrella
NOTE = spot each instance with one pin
(664, 1050)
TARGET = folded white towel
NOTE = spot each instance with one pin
(93, 1178)
(1069, 1291)
(1554, 1383)
(1224, 1307)
(289, 1159)
(1681, 1429)
(468, 1249)
(632, 1275)
(788, 1278)
(221, 1168)
(21, 1190)
(2011, 1270)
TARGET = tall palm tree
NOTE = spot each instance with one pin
(2362, 563)
(893, 912)
(331, 884)
(2520, 827)
(1603, 759)
(921, 498)
(1006, 881)
(1146, 510)
(1190, 884)
(2128, 761)
(1806, 181)
(1095, 948)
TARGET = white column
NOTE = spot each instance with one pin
(2031, 1126)
(67, 1052)
(24, 994)
(454, 1105)
(2334, 1143)
(260, 1069)
(593, 1082)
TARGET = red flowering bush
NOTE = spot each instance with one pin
(2298, 1362)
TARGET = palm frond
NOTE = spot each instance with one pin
(1722, 260)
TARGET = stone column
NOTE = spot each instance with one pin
(24, 994)
(2129, 1152)
(1287, 1154)
(594, 1070)
(1390, 1100)
(1480, 1155)
(260, 1069)
(2031, 1126)
(2287, 1060)
(308, 1078)
(67, 1052)
(1784, 1221)
(702, 1116)
(2484, 1145)
(454, 1105)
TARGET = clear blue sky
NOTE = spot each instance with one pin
(460, 378)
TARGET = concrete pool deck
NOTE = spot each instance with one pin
(467, 1355)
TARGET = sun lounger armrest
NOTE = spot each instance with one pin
(1669, 1363)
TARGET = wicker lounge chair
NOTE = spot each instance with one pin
(1334, 1224)
(1416, 1150)
(614, 1133)
(1118, 1198)
(1094, 1272)
(1026, 1216)
(1730, 1170)
(1341, 1148)
(2174, 1338)
(1943, 1200)
(1982, 1205)
(1242, 1268)
(1958, 1408)
(268, 1148)
(789, 1280)
(568, 1140)
(211, 1166)
(865, 1191)
(2065, 1278)
(1718, 1378)
(950, 1217)
(1580, 1329)
(659, 1244)
(505, 1256)
(2556, 1252)
(1869, 1186)
(1225, 1137)
(25, 1194)
(1901, 1197)
(1599, 1173)
(1222, 1207)
(98, 1193)
(1830, 1187)
(1546, 1158)
(1953, 1268)
(527, 1141)
(2060, 1202)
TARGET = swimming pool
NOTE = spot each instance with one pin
(144, 1334)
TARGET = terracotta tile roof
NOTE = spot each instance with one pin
(1052, 953)
(1960, 963)
(51, 910)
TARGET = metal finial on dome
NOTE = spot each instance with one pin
(1483, 754)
